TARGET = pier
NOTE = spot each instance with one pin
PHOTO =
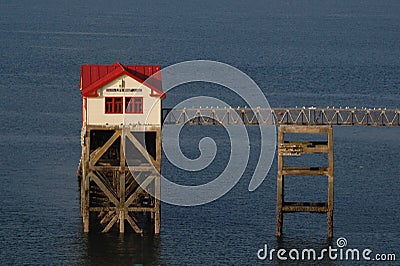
(283, 116)
(310, 121)
(111, 195)
(120, 165)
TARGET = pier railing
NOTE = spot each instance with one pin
(282, 116)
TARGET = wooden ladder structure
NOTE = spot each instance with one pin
(297, 148)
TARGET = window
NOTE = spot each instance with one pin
(114, 105)
(134, 105)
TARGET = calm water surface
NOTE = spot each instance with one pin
(301, 53)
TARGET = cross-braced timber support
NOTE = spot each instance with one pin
(119, 167)
(296, 148)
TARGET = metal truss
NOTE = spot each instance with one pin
(282, 116)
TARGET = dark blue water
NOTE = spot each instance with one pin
(343, 53)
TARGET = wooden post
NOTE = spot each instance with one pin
(280, 186)
(157, 188)
(122, 207)
(86, 183)
(330, 183)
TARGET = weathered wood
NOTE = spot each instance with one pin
(305, 171)
(86, 184)
(318, 207)
(298, 148)
(105, 210)
(113, 189)
(101, 212)
(141, 149)
(133, 128)
(81, 173)
(132, 183)
(107, 217)
(330, 183)
(141, 168)
(136, 168)
(141, 209)
(144, 184)
(304, 129)
(133, 224)
(110, 224)
(103, 187)
(157, 188)
(280, 187)
(98, 153)
(122, 186)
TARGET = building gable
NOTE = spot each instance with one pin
(94, 77)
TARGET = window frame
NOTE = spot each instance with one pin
(130, 105)
(112, 107)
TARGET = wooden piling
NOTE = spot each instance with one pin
(157, 189)
(330, 182)
(122, 184)
(85, 183)
(280, 187)
(114, 190)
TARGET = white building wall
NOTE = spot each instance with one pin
(151, 105)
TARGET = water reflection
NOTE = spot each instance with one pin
(118, 249)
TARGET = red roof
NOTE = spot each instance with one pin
(93, 77)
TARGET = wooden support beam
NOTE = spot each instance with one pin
(103, 187)
(86, 184)
(110, 224)
(98, 153)
(81, 173)
(135, 194)
(305, 171)
(141, 168)
(280, 187)
(330, 183)
(318, 207)
(101, 213)
(133, 224)
(141, 209)
(141, 149)
(311, 147)
(107, 217)
(114, 209)
(102, 209)
(122, 186)
(132, 183)
(157, 187)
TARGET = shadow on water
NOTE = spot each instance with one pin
(118, 249)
